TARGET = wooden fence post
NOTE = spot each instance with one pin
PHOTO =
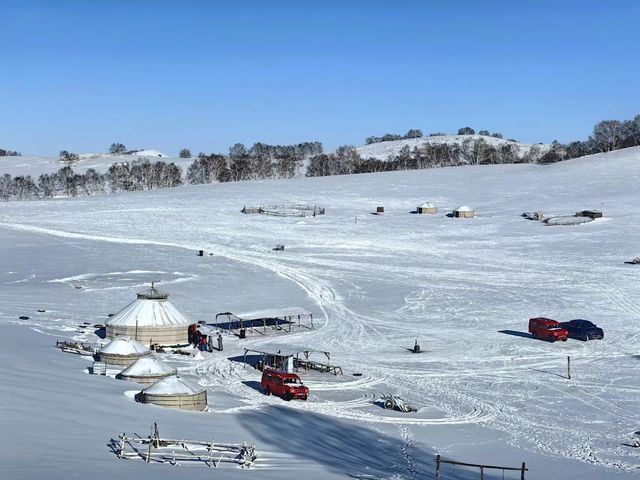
(121, 453)
(522, 472)
(568, 367)
(149, 451)
(437, 467)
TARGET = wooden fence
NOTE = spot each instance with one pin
(482, 468)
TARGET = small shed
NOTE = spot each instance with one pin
(464, 211)
(175, 392)
(146, 370)
(150, 318)
(122, 351)
(427, 208)
(592, 214)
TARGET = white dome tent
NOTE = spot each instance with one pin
(150, 319)
(427, 207)
(175, 392)
(464, 211)
(146, 370)
(122, 351)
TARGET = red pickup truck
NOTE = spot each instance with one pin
(547, 329)
(284, 385)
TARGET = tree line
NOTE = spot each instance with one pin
(607, 136)
(346, 159)
(264, 161)
(9, 153)
(261, 161)
(140, 174)
(389, 137)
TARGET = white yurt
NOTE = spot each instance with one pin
(175, 392)
(464, 211)
(146, 370)
(427, 208)
(122, 351)
(151, 319)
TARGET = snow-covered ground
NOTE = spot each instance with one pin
(465, 288)
(389, 150)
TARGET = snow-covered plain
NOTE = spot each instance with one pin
(465, 288)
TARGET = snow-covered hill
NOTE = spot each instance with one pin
(389, 150)
(34, 165)
(465, 288)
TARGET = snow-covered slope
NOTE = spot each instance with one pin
(147, 152)
(34, 165)
(388, 150)
(485, 390)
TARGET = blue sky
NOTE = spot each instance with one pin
(79, 75)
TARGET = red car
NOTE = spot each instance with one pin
(285, 385)
(547, 329)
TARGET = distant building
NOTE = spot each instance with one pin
(593, 214)
(427, 208)
(463, 211)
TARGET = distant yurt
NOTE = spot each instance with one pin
(175, 392)
(123, 351)
(427, 208)
(464, 211)
(150, 318)
(146, 370)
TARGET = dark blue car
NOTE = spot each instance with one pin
(583, 330)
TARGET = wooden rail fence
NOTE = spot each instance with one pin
(440, 460)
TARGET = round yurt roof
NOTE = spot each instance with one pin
(148, 367)
(150, 309)
(464, 208)
(153, 294)
(427, 205)
(124, 346)
(174, 386)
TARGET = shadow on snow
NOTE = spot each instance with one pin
(342, 447)
(516, 333)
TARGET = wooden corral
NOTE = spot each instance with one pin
(176, 452)
(264, 325)
(296, 210)
(293, 360)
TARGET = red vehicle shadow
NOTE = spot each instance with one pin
(516, 333)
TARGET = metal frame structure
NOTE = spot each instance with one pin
(277, 360)
(259, 325)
